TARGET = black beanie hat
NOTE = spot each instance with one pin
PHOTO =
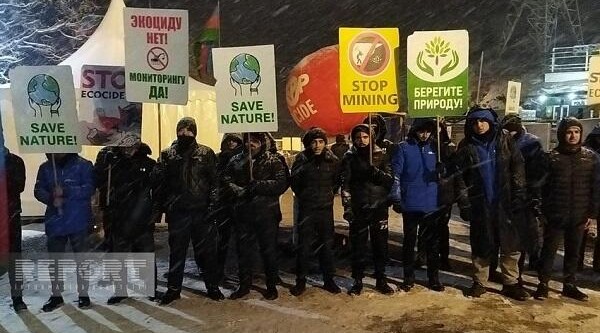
(189, 123)
(364, 128)
(314, 133)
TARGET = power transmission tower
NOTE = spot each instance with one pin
(545, 18)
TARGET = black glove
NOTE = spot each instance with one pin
(398, 208)
(465, 214)
(348, 215)
(536, 207)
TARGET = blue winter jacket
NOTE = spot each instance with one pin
(75, 176)
(415, 180)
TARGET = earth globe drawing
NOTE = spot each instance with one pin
(244, 70)
(43, 90)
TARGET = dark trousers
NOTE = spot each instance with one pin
(142, 243)
(256, 226)
(443, 236)
(224, 229)
(373, 223)
(572, 241)
(16, 287)
(183, 227)
(531, 241)
(315, 237)
(58, 244)
(429, 224)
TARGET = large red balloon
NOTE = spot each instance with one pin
(313, 94)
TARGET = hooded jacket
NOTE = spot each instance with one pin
(380, 132)
(503, 174)
(592, 141)
(365, 186)
(226, 154)
(15, 181)
(270, 179)
(571, 190)
(415, 175)
(315, 178)
(76, 177)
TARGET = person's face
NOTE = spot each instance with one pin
(254, 145)
(232, 144)
(481, 127)
(130, 151)
(423, 135)
(317, 146)
(573, 135)
(361, 139)
(185, 132)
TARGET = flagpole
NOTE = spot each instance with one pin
(479, 81)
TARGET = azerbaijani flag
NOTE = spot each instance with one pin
(203, 44)
(4, 232)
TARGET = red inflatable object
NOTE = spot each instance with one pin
(313, 94)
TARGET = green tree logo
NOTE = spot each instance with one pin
(444, 58)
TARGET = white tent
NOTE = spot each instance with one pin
(106, 47)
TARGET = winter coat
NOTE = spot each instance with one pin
(366, 186)
(76, 177)
(509, 184)
(533, 155)
(186, 180)
(270, 180)
(15, 182)
(315, 179)
(130, 206)
(226, 154)
(339, 149)
(571, 189)
(415, 177)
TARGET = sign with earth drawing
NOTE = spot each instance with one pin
(106, 118)
(156, 55)
(43, 98)
(438, 73)
(246, 88)
(368, 70)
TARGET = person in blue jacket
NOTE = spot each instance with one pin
(415, 195)
(68, 214)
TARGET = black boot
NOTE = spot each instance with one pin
(571, 291)
(241, 291)
(332, 287)
(515, 291)
(299, 288)
(434, 283)
(383, 287)
(408, 284)
(116, 300)
(271, 293)
(356, 289)
(169, 297)
(84, 302)
(476, 290)
(541, 292)
(18, 304)
(214, 293)
(53, 303)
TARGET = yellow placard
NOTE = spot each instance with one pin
(368, 67)
(593, 96)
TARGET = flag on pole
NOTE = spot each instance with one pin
(208, 38)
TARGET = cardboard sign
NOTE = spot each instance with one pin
(513, 97)
(246, 89)
(156, 55)
(368, 70)
(106, 118)
(43, 98)
(593, 96)
(438, 73)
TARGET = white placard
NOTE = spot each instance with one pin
(156, 55)
(246, 89)
(513, 97)
(43, 98)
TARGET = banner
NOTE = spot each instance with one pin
(246, 89)
(43, 98)
(513, 97)
(106, 118)
(438, 73)
(156, 55)
(593, 96)
(368, 70)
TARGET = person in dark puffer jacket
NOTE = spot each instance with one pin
(256, 209)
(570, 203)
(365, 190)
(592, 141)
(315, 177)
(379, 131)
(491, 183)
(186, 183)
